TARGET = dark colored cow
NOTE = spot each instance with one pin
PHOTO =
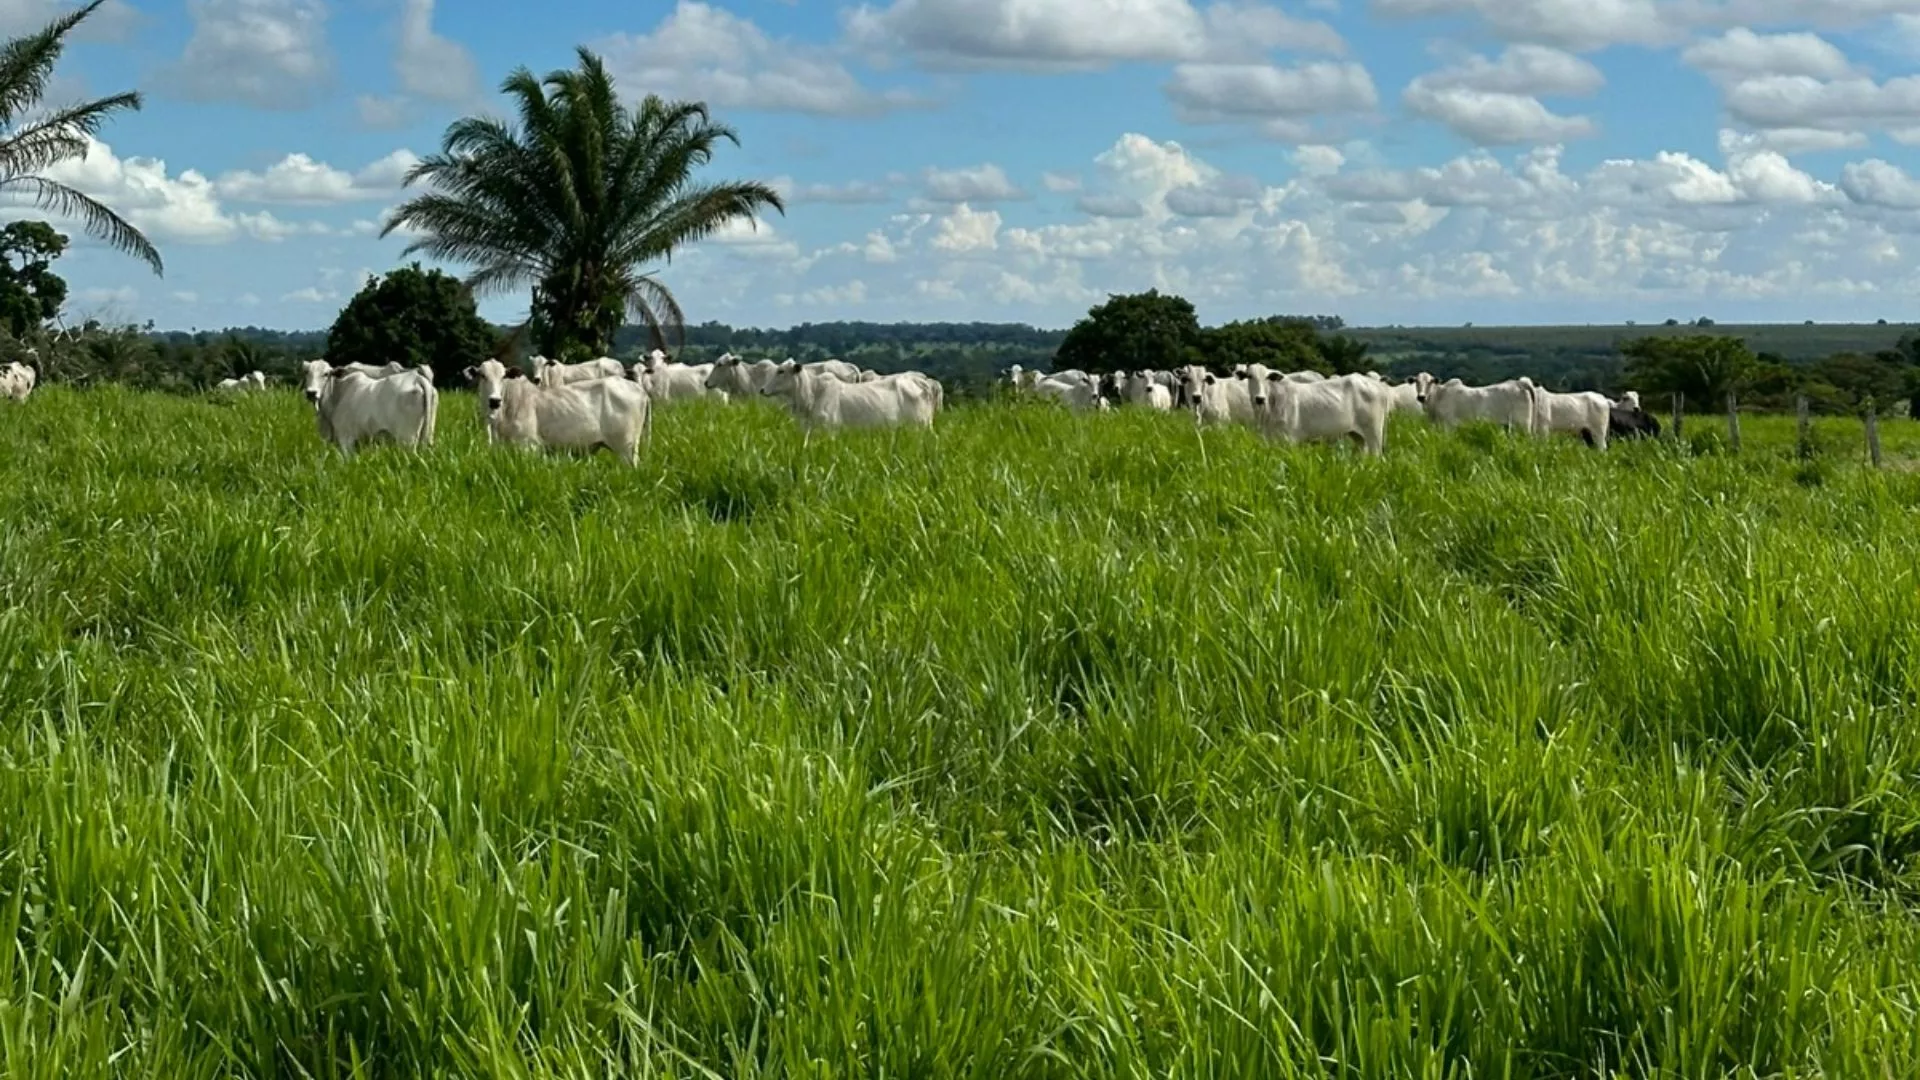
(1631, 422)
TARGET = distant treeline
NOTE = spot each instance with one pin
(968, 356)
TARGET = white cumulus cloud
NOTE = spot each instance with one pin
(298, 179)
(976, 184)
(271, 54)
(711, 54)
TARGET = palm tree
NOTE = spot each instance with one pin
(31, 145)
(581, 199)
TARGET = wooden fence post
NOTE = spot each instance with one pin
(1873, 433)
(1805, 442)
(1679, 410)
(1733, 421)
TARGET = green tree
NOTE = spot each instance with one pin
(1343, 355)
(34, 141)
(580, 199)
(1701, 366)
(238, 355)
(413, 317)
(1280, 342)
(1855, 378)
(1906, 357)
(30, 292)
(1133, 332)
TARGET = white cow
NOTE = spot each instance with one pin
(818, 399)
(353, 407)
(615, 412)
(1020, 378)
(16, 381)
(839, 369)
(926, 382)
(740, 379)
(1215, 400)
(315, 373)
(1348, 406)
(1586, 414)
(1071, 377)
(666, 381)
(1509, 403)
(1631, 399)
(554, 373)
(1141, 388)
(257, 378)
(1411, 396)
(227, 386)
(1261, 371)
(1080, 395)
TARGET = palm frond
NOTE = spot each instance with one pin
(697, 214)
(95, 217)
(497, 277)
(649, 299)
(59, 136)
(26, 63)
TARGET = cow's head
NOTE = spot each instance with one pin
(724, 375)
(785, 378)
(489, 379)
(1422, 386)
(1258, 383)
(314, 375)
(1191, 380)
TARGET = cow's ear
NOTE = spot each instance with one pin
(335, 373)
(1274, 376)
(467, 374)
(516, 373)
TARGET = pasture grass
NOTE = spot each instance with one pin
(1037, 746)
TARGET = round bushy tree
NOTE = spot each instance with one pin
(1139, 331)
(30, 292)
(415, 317)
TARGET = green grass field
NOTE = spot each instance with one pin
(1037, 746)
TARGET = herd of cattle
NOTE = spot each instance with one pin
(1302, 406)
(603, 403)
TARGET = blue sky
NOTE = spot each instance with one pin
(1391, 161)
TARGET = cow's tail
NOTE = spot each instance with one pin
(429, 416)
(1535, 402)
